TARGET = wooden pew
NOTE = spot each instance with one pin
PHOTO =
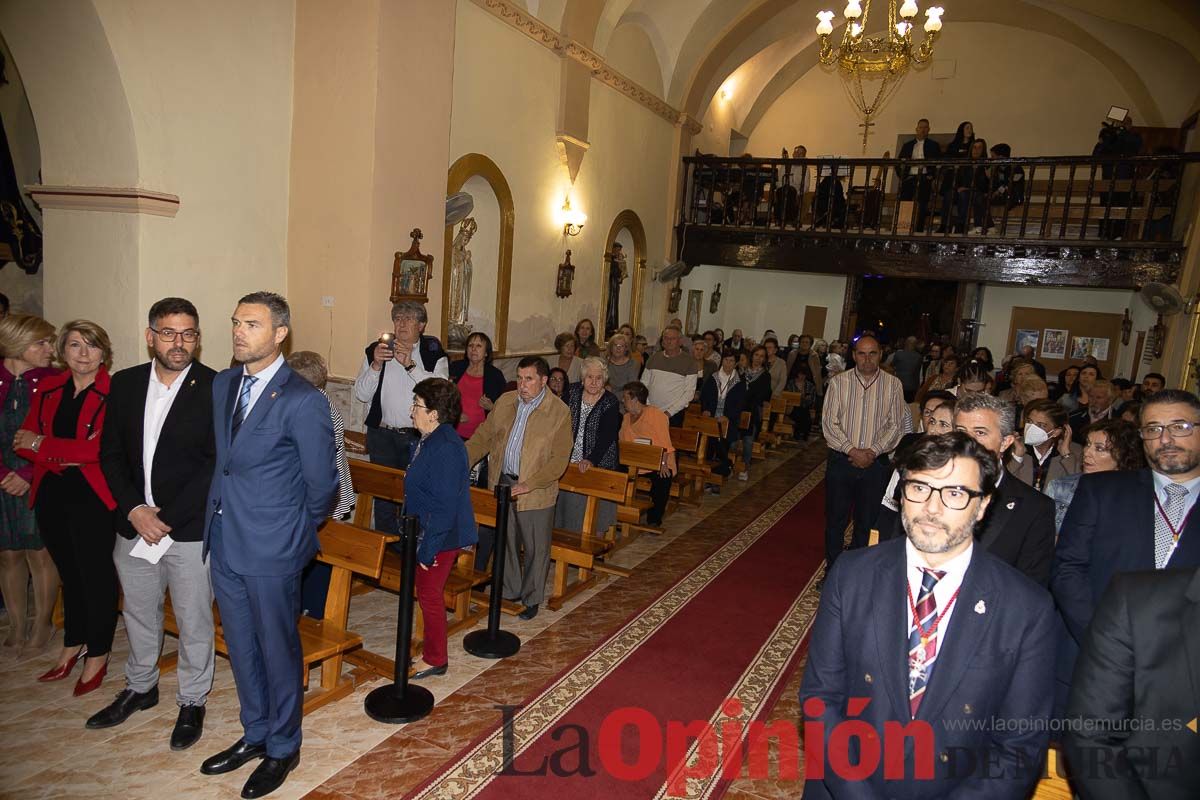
(711, 430)
(350, 551)
(635, 456)
(691, 467)
(584, 550)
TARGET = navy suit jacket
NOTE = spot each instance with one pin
(997, 662)
(1109, 528)
(276, 482)
(437, 490)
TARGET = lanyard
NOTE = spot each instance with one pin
(926, 635)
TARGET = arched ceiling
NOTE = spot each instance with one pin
(768, 44)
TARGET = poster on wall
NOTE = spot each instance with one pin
(1099, 348)
(1026, 338)
(1054, 343)
(1080, 347)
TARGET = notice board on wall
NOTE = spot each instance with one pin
(1086, 331)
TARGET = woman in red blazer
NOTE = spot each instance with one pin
(61, 437)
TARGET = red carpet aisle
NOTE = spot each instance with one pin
(728, 629)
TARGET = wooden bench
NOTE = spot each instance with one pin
(691, 467)
(711, 430)
(349, 551)
(584, 550)
(636, 457)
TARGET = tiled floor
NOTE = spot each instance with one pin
(46, 752)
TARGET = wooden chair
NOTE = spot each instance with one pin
(584, 550)
(350, 551)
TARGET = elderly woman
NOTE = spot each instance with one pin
(623, 368)
(438, 492)
(61, 436)
(1112, 444)
(595, 425)
(566, 345)
(585, 339)
(723, 395)
(645, 423)
(27, 345)
(1045, 452)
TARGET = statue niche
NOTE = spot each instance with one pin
(460, 285)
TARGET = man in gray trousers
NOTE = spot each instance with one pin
(157, 454)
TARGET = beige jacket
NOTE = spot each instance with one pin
(545, 452)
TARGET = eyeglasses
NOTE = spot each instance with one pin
(169, 335)
(1179, 430)
(423, 408)
(955, 498)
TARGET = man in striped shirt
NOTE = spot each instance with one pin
(862, 423)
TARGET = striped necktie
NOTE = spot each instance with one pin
(243, 405)
(1168, 517)
(922, 654)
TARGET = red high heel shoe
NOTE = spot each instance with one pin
(82, 687)
(58, 673)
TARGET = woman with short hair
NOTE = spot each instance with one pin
(595, 426)
(1111, 444)
(646, 423)
(569, 362)
(622, 367)
(437, 491)
(1045, 451)
(557, 382)
(61, 436)
(27, 348)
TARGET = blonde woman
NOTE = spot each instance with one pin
(27, 347)
(623, 368)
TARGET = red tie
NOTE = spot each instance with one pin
(922, 639)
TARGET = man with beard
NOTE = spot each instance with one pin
(931, 630)
(274, 483)
(157, 455)
(1130, 521)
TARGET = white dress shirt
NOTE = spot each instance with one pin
(918, 148)
(264, 377)
(945, 588)
(1189, 500)
(395, 401)
(159, 399)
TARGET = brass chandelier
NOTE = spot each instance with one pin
(883, 59)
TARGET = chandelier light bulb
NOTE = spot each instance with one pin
(909, 9)
(825, 23)
(853, 9)
(902, 28)
(855, 30)
(933, 21)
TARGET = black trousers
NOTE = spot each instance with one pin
(393, 449)
(848, 488)
(660, 494)
(79, 535)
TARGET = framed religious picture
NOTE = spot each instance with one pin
(691, 325)
(1054, 343)
(1026, 338)
(411, 271)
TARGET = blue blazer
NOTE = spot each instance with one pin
(998, 661)
(275, 483)
(437, 490)
(1109, 529)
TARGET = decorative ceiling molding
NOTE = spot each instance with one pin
(600, 69)
(104, 198)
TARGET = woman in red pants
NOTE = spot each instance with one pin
(437, 491)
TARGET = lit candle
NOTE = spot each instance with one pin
(825, 23)
(933, 22)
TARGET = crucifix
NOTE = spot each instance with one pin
(866, 125)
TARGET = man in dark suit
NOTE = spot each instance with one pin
(275, 481)
(1129, 521)
(1102, 397)
(1140, 662)
(1019, 525)
(931, 634)
(157, 456)
(917, 184)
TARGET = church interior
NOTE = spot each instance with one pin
(730, 164)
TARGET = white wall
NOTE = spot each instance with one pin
(755, 300)
(999, 300)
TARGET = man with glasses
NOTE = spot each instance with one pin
(394, 364)
(157, 455)
(1130, 521)
(930, 629)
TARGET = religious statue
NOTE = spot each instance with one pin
(460, 285)
(675, 296)
(714, 300)
(617, 272)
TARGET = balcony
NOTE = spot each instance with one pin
(1058, 221)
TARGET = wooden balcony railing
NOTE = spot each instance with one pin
(1141, 202)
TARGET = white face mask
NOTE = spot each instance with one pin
(1035, 435)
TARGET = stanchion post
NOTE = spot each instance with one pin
(399, 702)
(493, 642)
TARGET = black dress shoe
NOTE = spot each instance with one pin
(119, 710)
(270, 775)
(430, 672)
(530, 612)
(188, 727)
(233, 758)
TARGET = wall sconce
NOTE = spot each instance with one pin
(566, 277)
(573, 220)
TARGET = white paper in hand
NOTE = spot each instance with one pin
(151, 552)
